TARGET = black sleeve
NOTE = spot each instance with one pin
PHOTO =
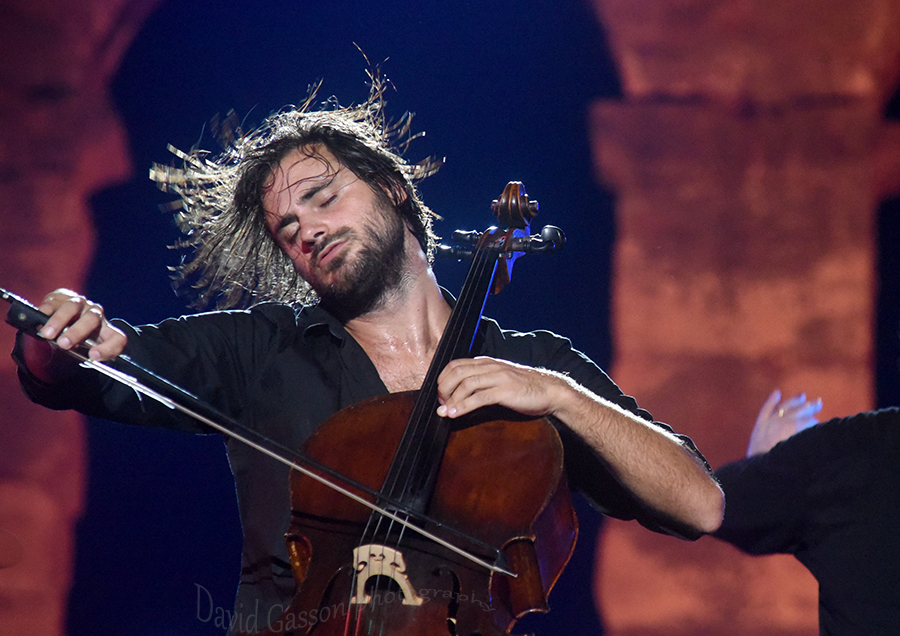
(764, 502)
(206, 354)
(811, 486)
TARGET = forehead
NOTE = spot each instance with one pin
(300, 170)
(302, 166)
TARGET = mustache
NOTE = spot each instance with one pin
(325, 243)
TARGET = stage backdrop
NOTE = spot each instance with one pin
(715, 165)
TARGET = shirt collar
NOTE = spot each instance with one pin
(320, 319)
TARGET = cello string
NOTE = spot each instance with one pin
(421, 428)
(421, 417)
(424, 422)
(422, 414)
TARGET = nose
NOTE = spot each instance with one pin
(312, 232)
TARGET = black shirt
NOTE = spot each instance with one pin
(829, 496)
(282, 372)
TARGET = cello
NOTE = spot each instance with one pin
(488, 489)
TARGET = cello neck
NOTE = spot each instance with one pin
(416, 463)
(414, 469)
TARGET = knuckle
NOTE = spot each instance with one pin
(75, 305)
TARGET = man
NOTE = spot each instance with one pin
(826, 493)
(314, 206)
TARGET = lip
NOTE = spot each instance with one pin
(329, 252)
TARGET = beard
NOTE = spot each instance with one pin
(365, 280)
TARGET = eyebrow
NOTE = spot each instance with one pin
(309, 194)
(325, 179)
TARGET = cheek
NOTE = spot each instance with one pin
(294, 253)
(303, 266)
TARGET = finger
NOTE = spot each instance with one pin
(55, 299)
(459, 388)
(62, 311)
(448, 381)
(110, 343)
(802, 409)
(458, 406)
(467, 366)
(791, 406)
(796, 400)
(771, 402)
(769, 407)
(87, 325)
(459, 371)
(108, 350)
(469, 386)
(808, 409)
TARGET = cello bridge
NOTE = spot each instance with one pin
(374, 560)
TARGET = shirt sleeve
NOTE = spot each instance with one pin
(808, 486)
(205, 354)
(763, 503)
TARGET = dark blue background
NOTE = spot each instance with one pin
(501, 89)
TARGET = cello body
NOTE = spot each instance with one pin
(500, 481)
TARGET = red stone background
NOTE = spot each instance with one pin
(748, 158)
(60, 141)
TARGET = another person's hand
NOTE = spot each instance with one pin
(780, 419)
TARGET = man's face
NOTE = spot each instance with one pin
(344, 240)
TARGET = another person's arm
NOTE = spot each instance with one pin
(767, 490)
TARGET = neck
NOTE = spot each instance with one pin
(401, 330)
(412, 317)
(402, 334)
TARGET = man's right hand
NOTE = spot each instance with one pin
(73, 320)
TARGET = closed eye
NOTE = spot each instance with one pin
(288, 229)
(286, 222)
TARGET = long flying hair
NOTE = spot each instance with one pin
(232, 260)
